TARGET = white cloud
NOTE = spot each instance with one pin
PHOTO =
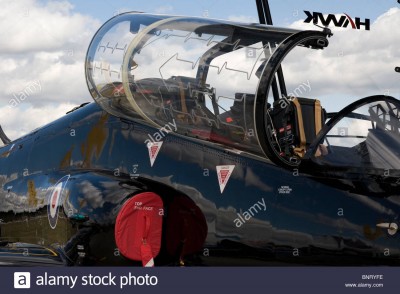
(43, 42)
(27, 26)
(17, 121)
(243, 18)
(164, 9)
(357, 63)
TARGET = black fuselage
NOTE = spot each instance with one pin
(266, 215)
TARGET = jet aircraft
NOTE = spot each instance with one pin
(194, 154)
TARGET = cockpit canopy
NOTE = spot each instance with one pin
(209, 77)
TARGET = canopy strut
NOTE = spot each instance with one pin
(264, 14)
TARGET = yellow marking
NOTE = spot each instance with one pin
(95, 142)
(82, 203)
(372, 235)
(301, 149)
(66, 161)
(318, 116)
(32, 199)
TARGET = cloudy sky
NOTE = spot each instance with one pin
(43, 46)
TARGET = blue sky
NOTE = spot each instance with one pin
(284, 11)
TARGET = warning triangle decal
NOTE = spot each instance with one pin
(224, 173)
(154, 148)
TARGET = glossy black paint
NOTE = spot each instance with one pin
(305, 221)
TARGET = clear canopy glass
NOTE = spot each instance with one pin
(366, 137)
(204, 76)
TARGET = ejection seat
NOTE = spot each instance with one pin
(295, 123)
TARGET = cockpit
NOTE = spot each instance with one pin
(218, 81)
(206, 75)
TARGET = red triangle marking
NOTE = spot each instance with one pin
(223, 174)
(153, 150)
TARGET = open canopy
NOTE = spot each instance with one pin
(210, 78)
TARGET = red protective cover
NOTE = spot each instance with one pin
(139, 226)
